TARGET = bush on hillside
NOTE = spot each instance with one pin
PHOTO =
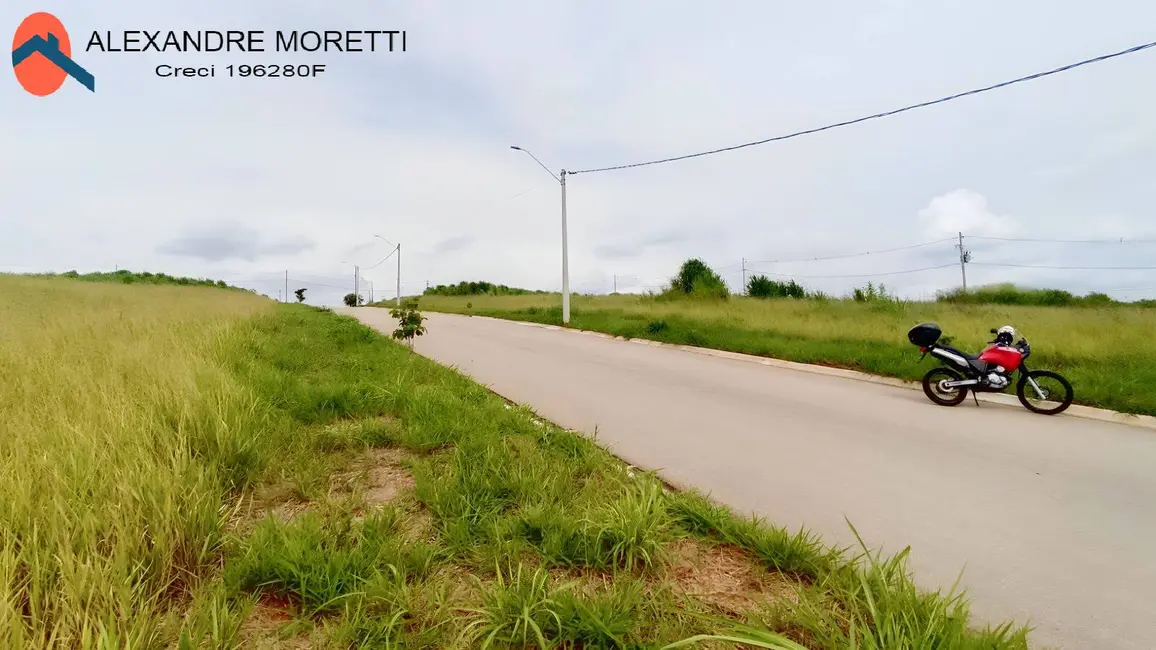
(697, 280)
(1010, 294)
(760, 286)
(872, 293)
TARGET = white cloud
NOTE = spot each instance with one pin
(965, 211)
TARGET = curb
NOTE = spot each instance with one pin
(1075, 410)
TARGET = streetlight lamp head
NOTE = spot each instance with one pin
(515, 147)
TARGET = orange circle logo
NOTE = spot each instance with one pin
(42, 55)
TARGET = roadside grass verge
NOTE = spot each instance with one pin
(1108, 353)
(516, 533)
(195, 468)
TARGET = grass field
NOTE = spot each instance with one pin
(1108, 353)
(198, 468)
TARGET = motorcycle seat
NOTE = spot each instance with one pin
(965, 355)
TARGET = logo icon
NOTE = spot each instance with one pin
(42, 56)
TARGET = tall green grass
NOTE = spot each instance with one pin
(119, 435)
(1108, 353)
(142, 423)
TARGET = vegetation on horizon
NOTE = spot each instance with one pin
(200, 469)
(477, 289)
(1010, 294)
(124, 276)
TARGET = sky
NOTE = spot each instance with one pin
(247, 179)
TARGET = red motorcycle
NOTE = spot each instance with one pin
(1040, 391)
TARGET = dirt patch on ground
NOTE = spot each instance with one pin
(386, 477)
(584, 580)
(725, 577)
(264, 627)
(378, 476)
(281, 500)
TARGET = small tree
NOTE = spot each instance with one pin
(300, 293)
(409, 322)
(697, 279)
(353, 300)
(760, 286)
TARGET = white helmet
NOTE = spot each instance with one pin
(1005, 335)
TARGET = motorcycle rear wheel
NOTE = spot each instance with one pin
(943, 397)
(1025, 392)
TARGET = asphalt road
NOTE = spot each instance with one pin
(1051, 519)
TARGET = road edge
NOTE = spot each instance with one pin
(1075, 410)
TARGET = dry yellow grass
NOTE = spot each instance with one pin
(105, 509)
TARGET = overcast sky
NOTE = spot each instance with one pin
(242, 179)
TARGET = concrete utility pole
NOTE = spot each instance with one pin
(964, 258)
(565, 258)
(565, 246)
(396, 249)
(744, 275)
(286, 285)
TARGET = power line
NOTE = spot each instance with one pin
(839, 257)
(317, 284)
(1070, 268)
(370, 268)
(1121, 240)
(861, 275)
(941, 100)
(323, 277)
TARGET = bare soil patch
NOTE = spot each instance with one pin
(726, 577)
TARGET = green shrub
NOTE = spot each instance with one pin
(872, 293)
(696, 279)
(1010, 294)
(760, 286)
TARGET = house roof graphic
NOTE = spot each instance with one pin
(50, 48)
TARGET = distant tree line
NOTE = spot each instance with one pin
(1009, 294)
(124, 276)
(477, 289)
(697, 280)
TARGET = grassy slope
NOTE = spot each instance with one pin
(146, 430)
(1109, 354)
(109, 401)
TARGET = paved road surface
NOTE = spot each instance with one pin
(1053, 517)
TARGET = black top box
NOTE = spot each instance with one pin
(924, 334)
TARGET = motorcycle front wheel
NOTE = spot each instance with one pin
(938, 394)
(1044, 392)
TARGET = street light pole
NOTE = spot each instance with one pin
(565, 257)
(565, 246)
(396, 249)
